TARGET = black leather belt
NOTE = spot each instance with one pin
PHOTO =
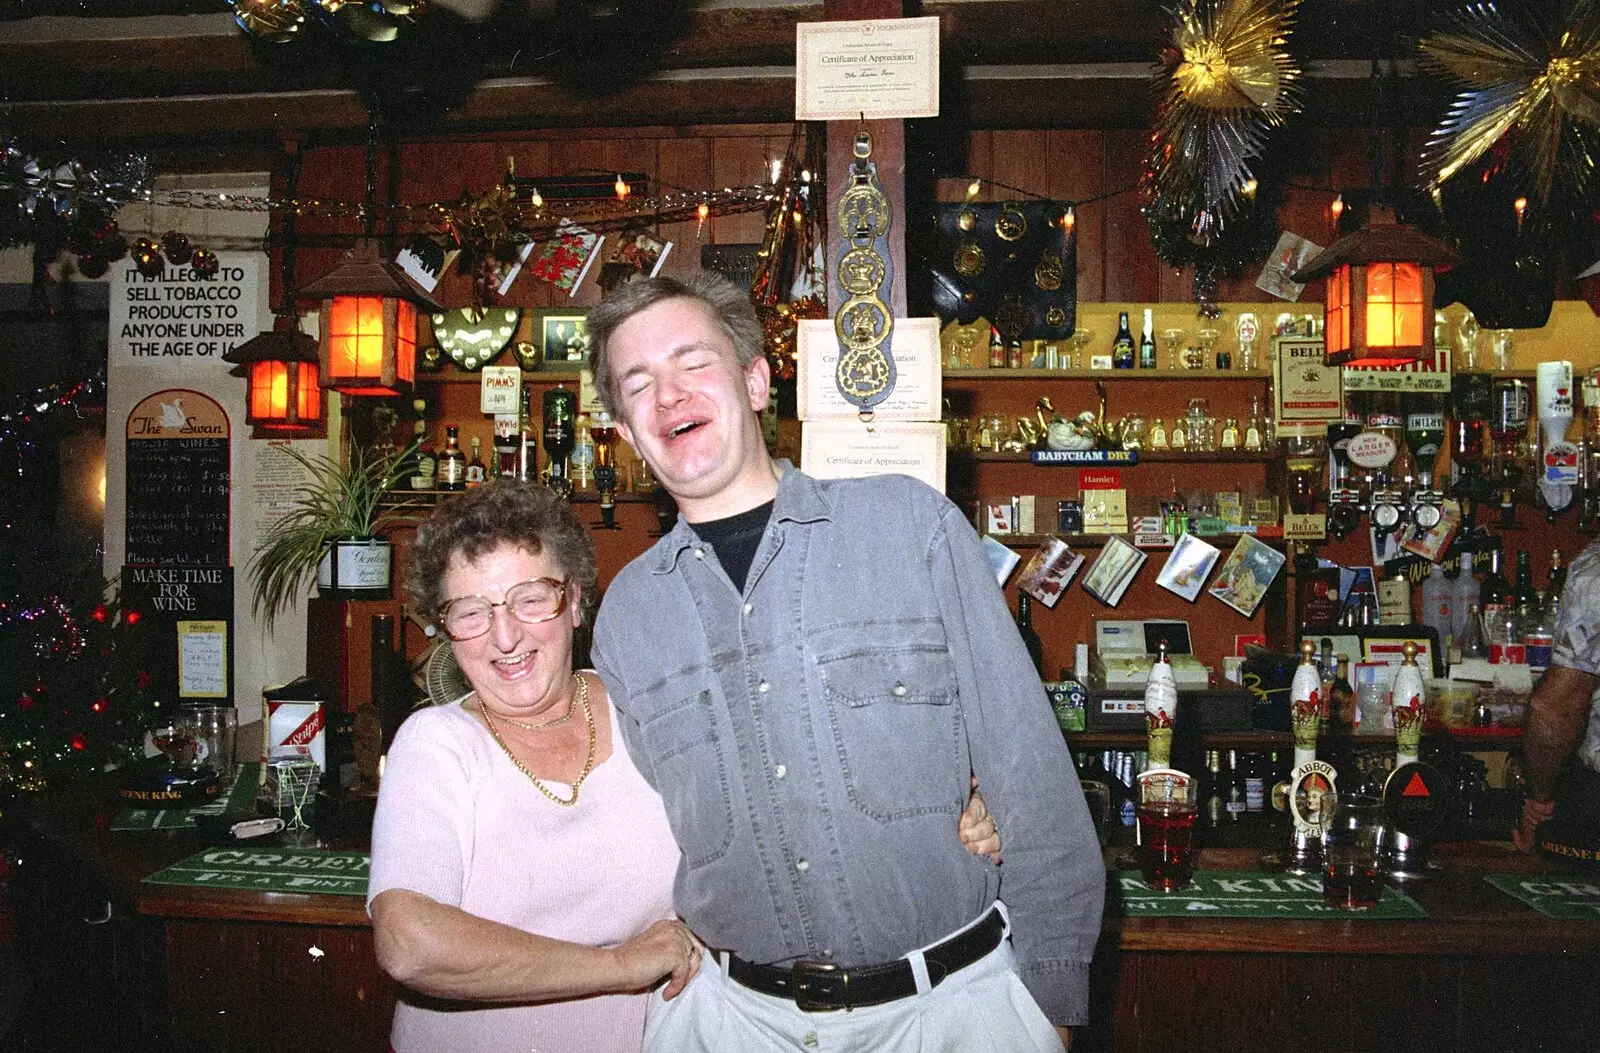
(818, 987)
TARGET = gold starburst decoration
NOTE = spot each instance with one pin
(1227, 80)
(1531, 86)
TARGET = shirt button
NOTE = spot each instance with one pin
(898, 690)
(699, 553)
(749, 607)
(827, 954)
(763, 687)
(803, 866)
(780, 771)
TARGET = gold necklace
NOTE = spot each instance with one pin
(556, 723)
(588, 762)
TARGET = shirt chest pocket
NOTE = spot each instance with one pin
(894, 721)
(679, 734)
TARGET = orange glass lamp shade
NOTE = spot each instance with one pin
(281, 369)
(1379, 296)
(370, 346)
(368, 324)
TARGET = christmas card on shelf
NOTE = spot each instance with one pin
(1049, 571)
(1113, 571)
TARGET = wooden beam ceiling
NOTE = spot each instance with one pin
(177, 73)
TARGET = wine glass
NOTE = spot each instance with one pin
(1200, 355)
(1080, 340)
(1172, 341)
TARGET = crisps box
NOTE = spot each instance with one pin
(298, 724)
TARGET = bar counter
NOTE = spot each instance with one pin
(231, 970)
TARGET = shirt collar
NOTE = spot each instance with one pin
(801, 499)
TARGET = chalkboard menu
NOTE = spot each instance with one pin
(177, 481)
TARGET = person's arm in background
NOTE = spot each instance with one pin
(1557, 715)
(1054, 879)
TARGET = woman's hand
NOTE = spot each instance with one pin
(977, 828)
(665, 949)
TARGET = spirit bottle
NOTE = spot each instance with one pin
(452, 468)
(582, 466)
(477, 472)
(604, 434)
(560, 417)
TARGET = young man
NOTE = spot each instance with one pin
(1566, 702)
(808, 672)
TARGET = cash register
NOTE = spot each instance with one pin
(1126, 649)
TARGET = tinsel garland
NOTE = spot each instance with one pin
(1226, 81)
(1529, 104)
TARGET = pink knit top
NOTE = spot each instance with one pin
(457, 822)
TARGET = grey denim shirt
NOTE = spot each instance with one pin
(812, 738)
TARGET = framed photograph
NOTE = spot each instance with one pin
(563, 336)
(1113, 571)
(1186, 569)
(1049, 571)
(1248, 571)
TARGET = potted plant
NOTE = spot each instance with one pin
(334, 533)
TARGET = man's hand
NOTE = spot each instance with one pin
(1066, 1037)
(977, 829)
(1533, 813)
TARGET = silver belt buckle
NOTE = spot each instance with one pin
(799, 974)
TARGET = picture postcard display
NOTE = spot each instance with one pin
(1049, 571)
(1113, 571)
(1245, 575)
(1186, 569)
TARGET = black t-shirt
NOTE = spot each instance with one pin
(735, 540)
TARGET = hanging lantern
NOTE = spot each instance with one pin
(368, 344)
(281, 367)
(1379, 296)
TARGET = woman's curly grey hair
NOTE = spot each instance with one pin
(502, 512)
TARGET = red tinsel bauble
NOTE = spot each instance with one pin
(176, 245)
(147, 258)
(92, 264)
(132, 617)
(101, 613)
(100, 705)
(142, 680)
(206, 263)
(79, 743)
(26, 702)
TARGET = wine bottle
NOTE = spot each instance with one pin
(1147, 342)
(1523, 594)
(1494, 595)
(1122, 344)
(1558, 574)
(1030, 639)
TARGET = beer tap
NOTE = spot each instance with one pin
(1557, 468)
(1469, 442)
(1589, 461)
(1508, 430)
(1423, 436)
(1311, 782)
(1344, 501)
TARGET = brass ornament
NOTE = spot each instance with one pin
(865, 371)
(1049, 273)
(967, 220)
(1537, 89)
(968, 260)
(271, 21)
(1011, 318)
(861, 271)
(1055, 317)
(1010, 224)
(526, 354)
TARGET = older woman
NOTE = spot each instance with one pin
(522, 870)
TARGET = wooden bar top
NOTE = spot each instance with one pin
(1466, 915)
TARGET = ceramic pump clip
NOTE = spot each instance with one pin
(1160, 710)
(1405, 698)
(1306, 704)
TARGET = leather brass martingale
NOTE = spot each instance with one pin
(865, 373)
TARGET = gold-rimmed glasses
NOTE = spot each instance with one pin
(530, 602)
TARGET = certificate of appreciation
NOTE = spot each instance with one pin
(882, 67)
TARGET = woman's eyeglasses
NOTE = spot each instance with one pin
(532, 602)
